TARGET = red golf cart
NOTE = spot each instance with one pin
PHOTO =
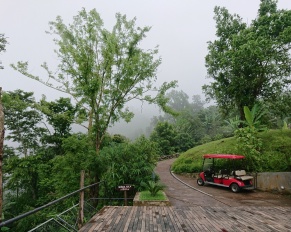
(214, 172)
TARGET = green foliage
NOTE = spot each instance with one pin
(276, 150)
(128, 163)
(153, 187)
(250, 145)
(117, 138)
(191, 160)
(5, 228)
(279, 109)
(248, 142)
(285, 125)
(147, 196)
(274, 153)
(192, 126)
(232, 124)
(23, 121)
(253, 117)
(246, 61)
(103, 70)
(164, 135)
(60, 115)
(187, 165)
(79, 154)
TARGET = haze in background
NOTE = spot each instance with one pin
(180, 28)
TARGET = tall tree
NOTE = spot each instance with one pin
(249, 62)
(178, 100)
(103, 70)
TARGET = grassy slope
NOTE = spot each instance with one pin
(276, 153)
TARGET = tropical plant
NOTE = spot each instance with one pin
(248, 141)
(253, 117)
(153, 187)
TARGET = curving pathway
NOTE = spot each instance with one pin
(181, 195)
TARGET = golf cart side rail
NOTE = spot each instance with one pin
(223, 156)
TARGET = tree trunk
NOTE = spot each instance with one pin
(2, 132)
(81, 202)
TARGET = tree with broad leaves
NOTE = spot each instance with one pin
(249, 63)
(103, 70)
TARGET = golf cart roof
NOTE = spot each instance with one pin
(223, 156)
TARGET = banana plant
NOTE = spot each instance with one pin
(253, 117)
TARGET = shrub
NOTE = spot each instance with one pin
(153, 187)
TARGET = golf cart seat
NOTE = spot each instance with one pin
(242, 175)
(223, 173)
(240, 172)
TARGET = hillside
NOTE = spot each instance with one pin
(275, 154)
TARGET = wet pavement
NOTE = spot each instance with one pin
(198, 208)
(182, 195)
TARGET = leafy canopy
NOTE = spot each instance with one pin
(103, 70)
(249, 62)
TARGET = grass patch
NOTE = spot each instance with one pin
(275, 154)
(146, 196)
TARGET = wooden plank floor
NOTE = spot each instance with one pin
(223, 219)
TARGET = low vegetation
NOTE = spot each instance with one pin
(274, 154)
(153, 187)
(147, 196)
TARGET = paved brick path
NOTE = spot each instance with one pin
(181, 195)
(219, 210)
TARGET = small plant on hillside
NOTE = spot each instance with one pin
(153, 187)
(248, 142)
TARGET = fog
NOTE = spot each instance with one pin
(180, 28)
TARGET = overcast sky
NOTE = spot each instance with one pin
(181, 28)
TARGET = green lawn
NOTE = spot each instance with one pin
(275, 154)
(146, 196)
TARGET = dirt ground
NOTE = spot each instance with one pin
(182, 195)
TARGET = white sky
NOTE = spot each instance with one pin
(181, 28)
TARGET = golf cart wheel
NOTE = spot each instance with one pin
(200, 182)
(234, 188)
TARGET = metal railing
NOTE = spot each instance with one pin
(7, 222)
(68, 219)
(65, 222)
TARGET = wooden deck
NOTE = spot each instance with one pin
(223, 219)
